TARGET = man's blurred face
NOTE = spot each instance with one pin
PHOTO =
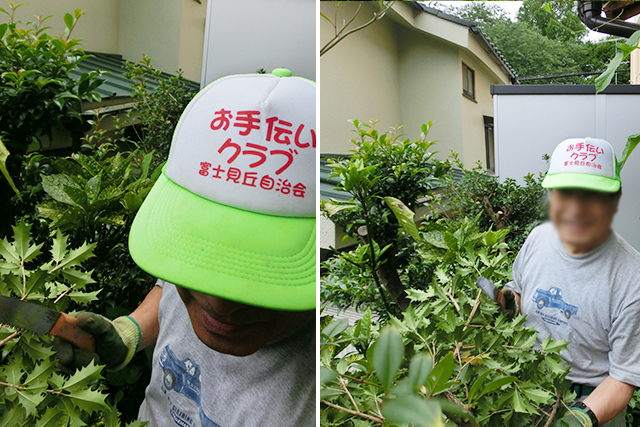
(583, 218)
(238, 329)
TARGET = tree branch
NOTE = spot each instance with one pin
(378, 420)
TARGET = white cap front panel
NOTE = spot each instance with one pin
(584, 155)
(249, 141)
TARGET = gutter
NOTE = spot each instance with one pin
(590, 14)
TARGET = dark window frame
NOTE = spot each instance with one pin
(489, 143)
(466, 70)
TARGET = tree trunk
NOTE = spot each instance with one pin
(388, 275)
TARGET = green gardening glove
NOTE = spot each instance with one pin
(508, 304)
(116, 342)
(574, 417)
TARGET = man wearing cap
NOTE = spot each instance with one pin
(577, 279)
(229, 228)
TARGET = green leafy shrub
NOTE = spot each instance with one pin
(40, 94)
(486, 371)
(95, 197)
(501, 205)
(382, 165)
(158, 110)
(33, 391)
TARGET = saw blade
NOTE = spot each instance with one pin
(27, 316)
(488, 288)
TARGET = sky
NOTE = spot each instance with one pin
(511, 7)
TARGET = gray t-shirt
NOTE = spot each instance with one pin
(193, 385)
(591, 300)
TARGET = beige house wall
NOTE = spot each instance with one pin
(474, 148)
(171, 32)
(407, 69)
(151, 27)
(358, 79)
(192, 38)
(429, 81)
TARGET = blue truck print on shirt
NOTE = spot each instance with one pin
(183, 376)
(553, 299)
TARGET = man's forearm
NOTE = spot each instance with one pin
(609, 398)
(147, 317)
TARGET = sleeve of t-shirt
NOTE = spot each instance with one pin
(625, 345)
(160, 283)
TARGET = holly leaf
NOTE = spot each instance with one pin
(36, 348)
(82, 377)
(111, 417)
(79, 279)
(137, 423)
(21, 238)
(77, 256)
(551, 346)
(537, 395)
(84, 297)
(88, 400)
(8, 252)
(36, 280)
(12, 417)
(38, 377)
(496, 384)
(59, 247)
(521, 404)
(50, 418)
(554, 366)
(30, 400)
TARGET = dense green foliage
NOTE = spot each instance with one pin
(543, 43)
(93, 190)
(33, 390)
(486, 368)
(500, 205)
(386, 260)
(38, 94)
(381, 165)
(158, 110)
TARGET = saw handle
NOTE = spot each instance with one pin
(500, 299)
(66, 327)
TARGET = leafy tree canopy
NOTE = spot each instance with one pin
(540, 42)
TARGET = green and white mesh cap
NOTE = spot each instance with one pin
(585, 163)
(233, 213)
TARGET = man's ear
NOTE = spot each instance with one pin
(616, 201)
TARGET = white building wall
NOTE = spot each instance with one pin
(529, 126)
(244, 36)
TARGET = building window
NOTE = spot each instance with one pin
(488, 143)
(468, 82)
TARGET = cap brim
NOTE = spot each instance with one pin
(256, 259)
(582, 181)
